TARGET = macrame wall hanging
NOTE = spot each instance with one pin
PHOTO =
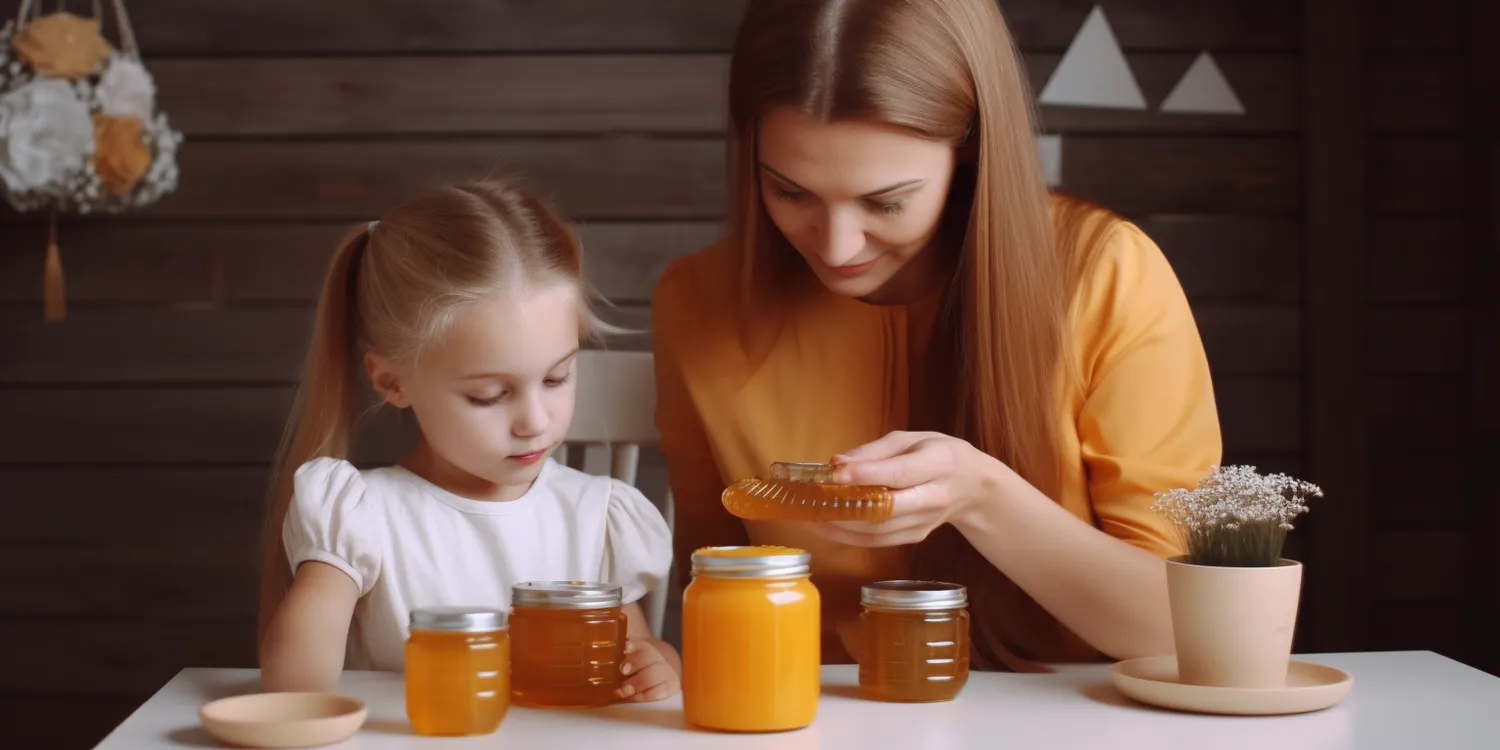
(79, 129)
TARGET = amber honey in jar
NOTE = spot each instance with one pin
(751, 640)
(457, 670)
(805, 492)
(915, 641)
(569, 641)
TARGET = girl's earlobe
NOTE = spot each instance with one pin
(385, 380)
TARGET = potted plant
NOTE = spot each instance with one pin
(1233, 596)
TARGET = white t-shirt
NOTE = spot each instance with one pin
(408, 543)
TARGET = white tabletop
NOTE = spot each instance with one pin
(1399, 700)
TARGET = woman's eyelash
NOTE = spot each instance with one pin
(887, 207)
(787, 195)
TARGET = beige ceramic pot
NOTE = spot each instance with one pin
(1233, 626)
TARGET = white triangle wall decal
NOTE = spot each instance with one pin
(1203, 89)
(1049, 149)
(1093, 72)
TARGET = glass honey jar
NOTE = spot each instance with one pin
(751, 640)
(569, 641)
(457, 671)
(915, 641)
(805, 492)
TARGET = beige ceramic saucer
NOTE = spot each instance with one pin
(283, 719)
(1309, 687)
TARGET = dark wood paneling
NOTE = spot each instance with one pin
(1425, 566)
(1251, 340)
(178, 27)
(1420, 176)
(1232, 258)
(1417, 260)
(1217, 259)
(63, 722)
(1184, 175)
(146, 581)
(650, 178)
(1416, 490)
(1417, 341)
(1417, 413)
(1333, 198)
(117, 657)
(242, 424)
(1419, 626)
(191, 262)
(1433, 26)
(84, 506)
(472, 94)
(1416, 93)
(588, 178)
(267, 345)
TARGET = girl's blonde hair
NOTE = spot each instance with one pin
(946, 70)
(394, 286)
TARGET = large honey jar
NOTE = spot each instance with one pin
(915, 641)
(751, 645)
(457, 671)
(569, 643)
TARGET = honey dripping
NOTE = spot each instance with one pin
(803, 492)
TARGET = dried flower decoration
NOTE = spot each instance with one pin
(80, 131)
(1236, 517)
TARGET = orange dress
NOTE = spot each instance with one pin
(1142, 420)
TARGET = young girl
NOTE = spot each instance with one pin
(467, 307)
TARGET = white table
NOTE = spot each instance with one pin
(1404, 700)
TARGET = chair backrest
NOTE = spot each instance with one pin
(614, 416)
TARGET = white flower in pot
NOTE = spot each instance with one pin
(46, 134)
(1233, 596)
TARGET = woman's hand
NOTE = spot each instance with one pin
(935, 479)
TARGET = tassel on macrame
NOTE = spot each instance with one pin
(54, 293)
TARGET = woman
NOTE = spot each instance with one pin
(896, 289)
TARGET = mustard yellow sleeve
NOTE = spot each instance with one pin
(1148, 421)
(693, 474)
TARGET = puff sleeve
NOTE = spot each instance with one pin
(637, 543)
(330, 520)
(1149, 421)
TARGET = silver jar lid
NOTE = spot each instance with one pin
(565, 595)
(458, 619)
(916, 595)
(743, 562)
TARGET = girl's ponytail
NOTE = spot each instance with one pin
(323, 412)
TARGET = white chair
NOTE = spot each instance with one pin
(613, 418)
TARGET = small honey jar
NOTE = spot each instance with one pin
(457, 671)
(751, 640)
(915, 641)
(569, 643)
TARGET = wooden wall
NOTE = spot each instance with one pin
(134, 438)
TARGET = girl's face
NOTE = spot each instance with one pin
(860, 201)
(494, 397)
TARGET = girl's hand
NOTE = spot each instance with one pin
(649, 676)
(935, 479)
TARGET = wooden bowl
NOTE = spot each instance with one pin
(283, 719)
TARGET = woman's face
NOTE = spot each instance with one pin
(860, 201)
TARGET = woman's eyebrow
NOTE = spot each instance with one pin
(872, 194)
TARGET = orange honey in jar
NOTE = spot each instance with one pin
(751, 640)
(457, 671)
(805, 492)
(915, 641)
(569, 641)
